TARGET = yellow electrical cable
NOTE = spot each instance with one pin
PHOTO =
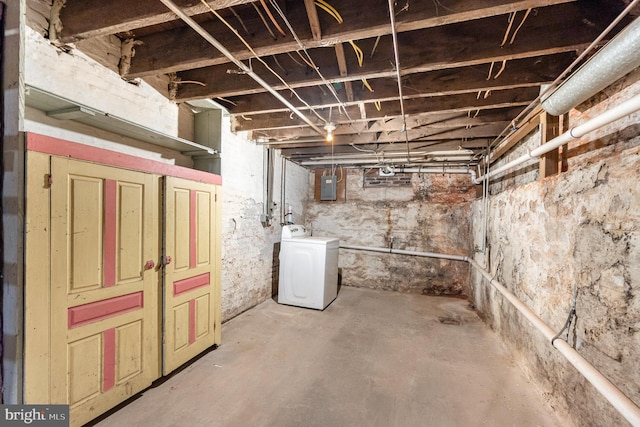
(271, 70)
(378, 105)
(367, 85)
(329, 9)
(358, 52)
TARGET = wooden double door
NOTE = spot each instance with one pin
(131, 289)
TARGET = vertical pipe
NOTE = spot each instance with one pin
(394, 34)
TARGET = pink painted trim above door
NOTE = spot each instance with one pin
(110, 238)
(109, 361)
(60, 147)
(94, 311)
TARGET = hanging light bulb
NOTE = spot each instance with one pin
(329, 127)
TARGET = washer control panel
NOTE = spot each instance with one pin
(291, 231)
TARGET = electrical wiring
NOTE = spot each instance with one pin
(284, 70)
(358, 51)
(490, 71)
(437, 3)
(366, 84)
(271, 70)
(501, 70)
(329, 9)
(526, 14)
(264, 21)
(554, 85)
(364, 150)
(309, 60)
(396, 56)
(512, 16)
(273, 20)
(295, 60)
(375, 46)
(240, 21)
(378, 105)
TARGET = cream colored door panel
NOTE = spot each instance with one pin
(191, 281)
(104, 285)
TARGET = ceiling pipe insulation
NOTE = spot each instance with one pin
(628, 107)
(615, 60)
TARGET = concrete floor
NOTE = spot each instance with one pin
(372, 358)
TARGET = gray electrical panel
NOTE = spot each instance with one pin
(328, 187)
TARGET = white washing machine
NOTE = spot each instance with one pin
(308, 269)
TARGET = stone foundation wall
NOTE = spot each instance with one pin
(579, 228)
(429, 215)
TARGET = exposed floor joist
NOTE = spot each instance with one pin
(468, 67)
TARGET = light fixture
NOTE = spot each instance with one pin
(329, 127)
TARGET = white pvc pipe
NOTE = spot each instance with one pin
(627, 408)
(630, 106)
(618, 58)
(215, 43)
(403, 252)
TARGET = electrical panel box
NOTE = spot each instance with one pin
(328, 187)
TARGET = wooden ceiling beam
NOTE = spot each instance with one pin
(452, 46)
(314, 22)
(450, 103)
(84, 19)
(181, 48)
(436, 121)
(342, 67)
(517, 73)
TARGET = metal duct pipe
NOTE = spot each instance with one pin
(627, 408)
(215, 43)
(630, 106)
(403, 252)
(616, 59)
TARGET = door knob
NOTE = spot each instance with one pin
(149, 265)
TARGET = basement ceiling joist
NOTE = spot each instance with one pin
(468, 68)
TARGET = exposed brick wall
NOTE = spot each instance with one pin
(249, 249)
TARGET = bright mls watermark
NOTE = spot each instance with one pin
(34, 415)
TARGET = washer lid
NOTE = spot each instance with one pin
(290, 231)
(313, 240)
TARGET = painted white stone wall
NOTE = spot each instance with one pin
(582, 228)
(249, 249)
(247, 246)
